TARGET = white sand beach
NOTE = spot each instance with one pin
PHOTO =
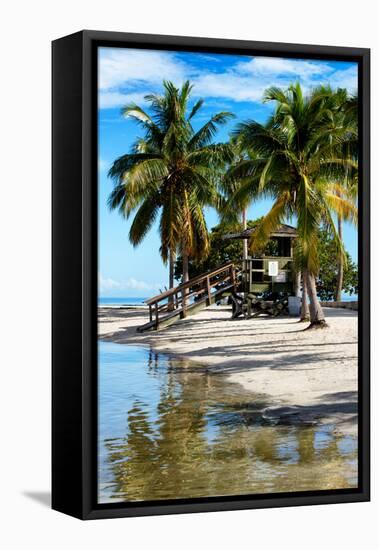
(305, 375)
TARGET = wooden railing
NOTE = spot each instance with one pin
(178, 301)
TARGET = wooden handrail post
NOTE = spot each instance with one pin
(150, 313)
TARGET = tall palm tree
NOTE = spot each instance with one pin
(170, 172)
(292, 165)
(233, 207)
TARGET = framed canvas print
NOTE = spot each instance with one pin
(210, 274)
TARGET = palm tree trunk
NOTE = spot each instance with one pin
(297, 284)
(185, 280)
(316, 312)
(244, 241)
(339, 286)
(171, 260)
(304, 314)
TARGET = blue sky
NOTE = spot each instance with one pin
(225, 82)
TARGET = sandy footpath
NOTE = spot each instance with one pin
(306, 375)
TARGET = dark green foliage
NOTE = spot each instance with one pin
(221, 250)
(327, 279)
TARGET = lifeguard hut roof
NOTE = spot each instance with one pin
(282, 230)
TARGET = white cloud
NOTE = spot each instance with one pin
(126, 75)
(122, 73)
(137, 285)
(109, 99)
(345, 78)
(132, 69)
(107, 284)
(229, 85)
(275, 66)
(120, 66)
(247, 80)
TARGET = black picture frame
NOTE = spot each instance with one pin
(74, 272)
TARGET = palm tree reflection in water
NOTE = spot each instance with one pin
(205, 437)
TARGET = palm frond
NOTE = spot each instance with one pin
(344, 208)
(268, 224)
(275, 94)
(215, 155)
(146, 176)
(132, 110)
(170, 225)
(262, 140)
(196, 108)
(144, 219)
(125, 163)
(207, 132)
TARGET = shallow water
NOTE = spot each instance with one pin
(168, 429)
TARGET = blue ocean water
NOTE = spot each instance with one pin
(349, 298)
(112, 301)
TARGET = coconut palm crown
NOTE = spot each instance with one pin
(171, 173)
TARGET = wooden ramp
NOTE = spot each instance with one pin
(190, 298)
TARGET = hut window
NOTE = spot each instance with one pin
(257, 264)
(285, 247)
(257, 276)
(272, 247)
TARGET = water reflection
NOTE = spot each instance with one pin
(168, 429)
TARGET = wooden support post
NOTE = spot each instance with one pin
(208, 287)
(232, 275)
(156, 315)
(249, 307)
(184, 303)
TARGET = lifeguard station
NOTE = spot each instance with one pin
(267, 279)
(273, 270)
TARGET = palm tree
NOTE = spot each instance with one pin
(171, 172)
(292, 165)
(345, 159)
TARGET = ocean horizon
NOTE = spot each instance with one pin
(349, 297)
(121, 301)
(140, 301)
